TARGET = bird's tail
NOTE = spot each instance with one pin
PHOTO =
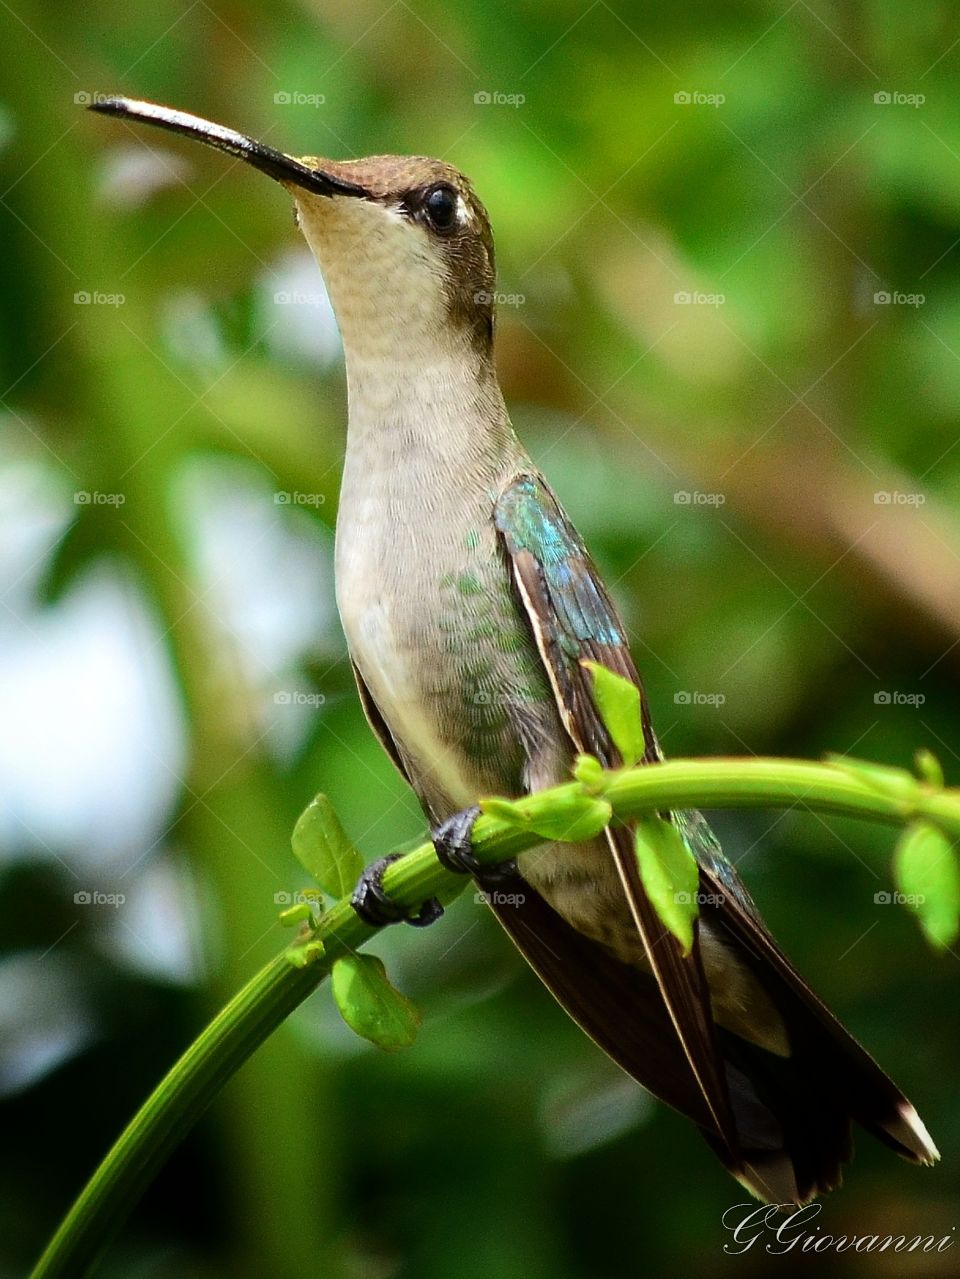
(794, 1112)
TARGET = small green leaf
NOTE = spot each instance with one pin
(509, 811)
(589, 772)
(299, 956)
(294, 914)
(925, 866)
(371, 1006)
(670, 876)
(570, 815)
(618, 701)
(896, 783)
(929, 768)
(573, 819)
(324, 850)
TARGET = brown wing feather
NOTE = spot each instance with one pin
(622, 1009)
(618, 1005)
(680, 978)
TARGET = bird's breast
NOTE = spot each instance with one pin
(432, 626)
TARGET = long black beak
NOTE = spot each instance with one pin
(283, 168)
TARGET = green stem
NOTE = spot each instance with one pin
(884, 795)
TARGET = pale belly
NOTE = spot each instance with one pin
(392, 672)
(434, 631)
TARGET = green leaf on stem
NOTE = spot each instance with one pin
(589, 772)
(670, 876)
(301, 954)
(571, 816)
(929, 768)
(324, 850)
(895, 783)
(295, 914)
(618, 701)
(925, 866)
(371, 1006)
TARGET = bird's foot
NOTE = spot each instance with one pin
(375, 908)
(454, 845)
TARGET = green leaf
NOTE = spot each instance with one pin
(575, 819)
(589, 772)
(670, 876)
(571, 815)
(324, 850)
(303, 953)
(506, 810)
(925, 866)
(618, 701)
(295, 914)
(371, 1006)
(929, 768)
(896, 783)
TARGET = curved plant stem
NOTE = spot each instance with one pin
(880, 794)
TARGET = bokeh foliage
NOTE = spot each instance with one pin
(727, 457)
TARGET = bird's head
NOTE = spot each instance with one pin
(403, 242)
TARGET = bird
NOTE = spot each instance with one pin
(472, 611)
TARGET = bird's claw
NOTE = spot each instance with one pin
(377, 909)
(454, 846)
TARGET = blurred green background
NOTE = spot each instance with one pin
(729, 237)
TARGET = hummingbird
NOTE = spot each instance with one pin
(470, 607)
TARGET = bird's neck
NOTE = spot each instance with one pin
(421, 393)
(432, 410)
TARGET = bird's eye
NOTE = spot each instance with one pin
(440, 206)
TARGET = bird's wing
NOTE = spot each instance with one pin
(572, 619)
(379, 725)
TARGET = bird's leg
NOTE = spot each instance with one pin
(375, 908)
(454, 845)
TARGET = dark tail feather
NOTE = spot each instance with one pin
(828, 1079)
(792, 1114)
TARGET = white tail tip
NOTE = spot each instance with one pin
(911, 1132)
